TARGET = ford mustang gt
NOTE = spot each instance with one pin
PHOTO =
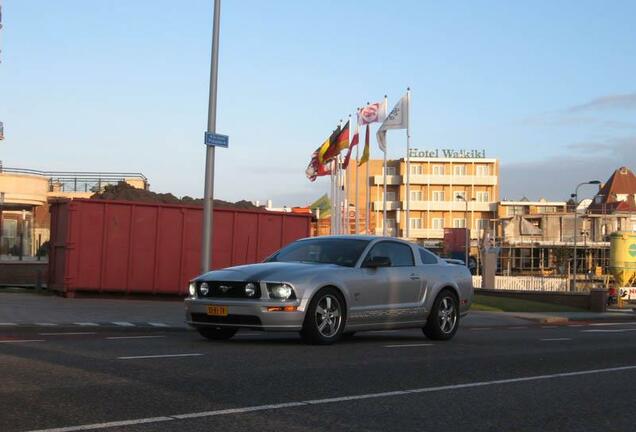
(333, 286)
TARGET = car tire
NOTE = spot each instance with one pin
(325, 318)
(443, 320)
(217, 333)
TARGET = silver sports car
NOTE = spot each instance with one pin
(330, 287)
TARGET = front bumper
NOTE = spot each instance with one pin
(251, 314)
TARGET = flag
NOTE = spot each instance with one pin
(372, 113)
(397, 119)
(365, 152)
(354, 142)
(315, 168)
(325, 151)
(339, 143)
(1, 131)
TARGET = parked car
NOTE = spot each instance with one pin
(327, 287)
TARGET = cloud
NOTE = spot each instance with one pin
(565, 119)
(554, 178)
(620, 101)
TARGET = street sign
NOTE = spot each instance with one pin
(216, 140)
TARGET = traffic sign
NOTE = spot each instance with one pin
(216, 140)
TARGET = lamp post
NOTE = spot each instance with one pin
(576, 204)
(467, 237)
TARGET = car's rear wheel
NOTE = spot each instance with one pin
(217, 333)
(325, 318)
(443, 320)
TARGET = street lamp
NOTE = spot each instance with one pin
(467, 238)
(576, 204)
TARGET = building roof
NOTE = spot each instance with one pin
(621, 182)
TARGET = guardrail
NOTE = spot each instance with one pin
(526, 283)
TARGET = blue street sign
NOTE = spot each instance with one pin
(216, 140)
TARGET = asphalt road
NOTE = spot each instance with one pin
(517, 378)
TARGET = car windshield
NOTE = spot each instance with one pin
(344, 252)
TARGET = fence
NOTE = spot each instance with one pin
(526, 283)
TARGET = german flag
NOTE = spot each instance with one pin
(327, 150)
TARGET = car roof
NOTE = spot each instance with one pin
(357, 237)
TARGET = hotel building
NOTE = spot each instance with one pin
(448, 189)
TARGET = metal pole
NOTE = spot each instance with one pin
(386, 106)
(356, 186)
(208, 194)
(466, 234)
(408, 162)
(576, 200)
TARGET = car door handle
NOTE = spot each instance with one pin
(413, 276)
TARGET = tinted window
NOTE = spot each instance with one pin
(344, 252)
(427, 257)
(400, 254)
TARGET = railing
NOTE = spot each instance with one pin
(79, 181)
(526, 283)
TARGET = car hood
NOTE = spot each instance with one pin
(269, 271)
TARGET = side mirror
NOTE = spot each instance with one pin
(378, 261)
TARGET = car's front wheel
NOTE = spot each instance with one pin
(443, 320)
(325, 318)
(217, 333)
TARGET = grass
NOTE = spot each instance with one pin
(504, 304)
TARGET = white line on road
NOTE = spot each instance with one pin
(159, 356)
(158, 324)
(22, 340)
(609, 330)
(134, 337)
(46, 324)
(270, 407)
(576, 325)
(7, 324)
(613, 324)
(87, 324)
(555, 339)
(408, 345)
(66, 333)
(123, 323)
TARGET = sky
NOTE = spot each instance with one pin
(546, 87)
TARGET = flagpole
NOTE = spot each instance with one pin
(333, 201)
(357, 224)
(386, 107)
(408, 162)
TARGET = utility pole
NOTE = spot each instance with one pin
(576, 204)
(208, 194)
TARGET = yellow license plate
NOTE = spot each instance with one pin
(217, 310)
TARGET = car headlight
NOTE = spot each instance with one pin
(281, 291)
(192, 289)
(250, 289)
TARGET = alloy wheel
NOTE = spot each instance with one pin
(447, 315)
(328, 316)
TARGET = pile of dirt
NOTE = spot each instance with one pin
(122, 191)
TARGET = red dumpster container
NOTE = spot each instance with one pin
(132, 247)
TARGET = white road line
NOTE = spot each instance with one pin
(46, 324)
(22, 340)
(408, 345)
(613, 324)
(271, 407)
(87, 324)
(159, 356)
(576, 325)
(7, 324)
(609, 330)
(133, 337)
(66, 333)
(158, 324)
(123, 323)
(555, 339)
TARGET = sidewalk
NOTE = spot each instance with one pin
(27, 308)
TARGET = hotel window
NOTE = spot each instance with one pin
(514, 210)
(416, 169)
(481, 224)
(483, 196)
(459, 196)
(483, 170)
(416, 195)
(390, 171)
(438, 195)
(390, 196)
(459, 170)
(437, 223)
(438, 169)
(415, 223)
(390, 223)
(459, 223)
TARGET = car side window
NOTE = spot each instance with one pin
(400, 254)
(427, 257)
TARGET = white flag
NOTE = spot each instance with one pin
(375, 112)
(397, 119)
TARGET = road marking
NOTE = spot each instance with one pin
(87, 324)
(46, 324)
(66, 333)
(407, 345)
(7, 324)
(22, 340)
(613, 324)
(576, 325)
(271, 407)
(133, 337)
(158, 324)
(159, 356)
(609, 330)
(123, 323)
(518, 327)
(555, 339)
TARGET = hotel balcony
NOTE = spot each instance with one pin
(458, 206)
(390, 180)
(390, 205)
(451, 179)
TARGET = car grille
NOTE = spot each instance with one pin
(228, 290)
(230, 319)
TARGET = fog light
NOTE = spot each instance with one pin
(204, 288)
(250, 289)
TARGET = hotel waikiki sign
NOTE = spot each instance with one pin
(448, 153)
